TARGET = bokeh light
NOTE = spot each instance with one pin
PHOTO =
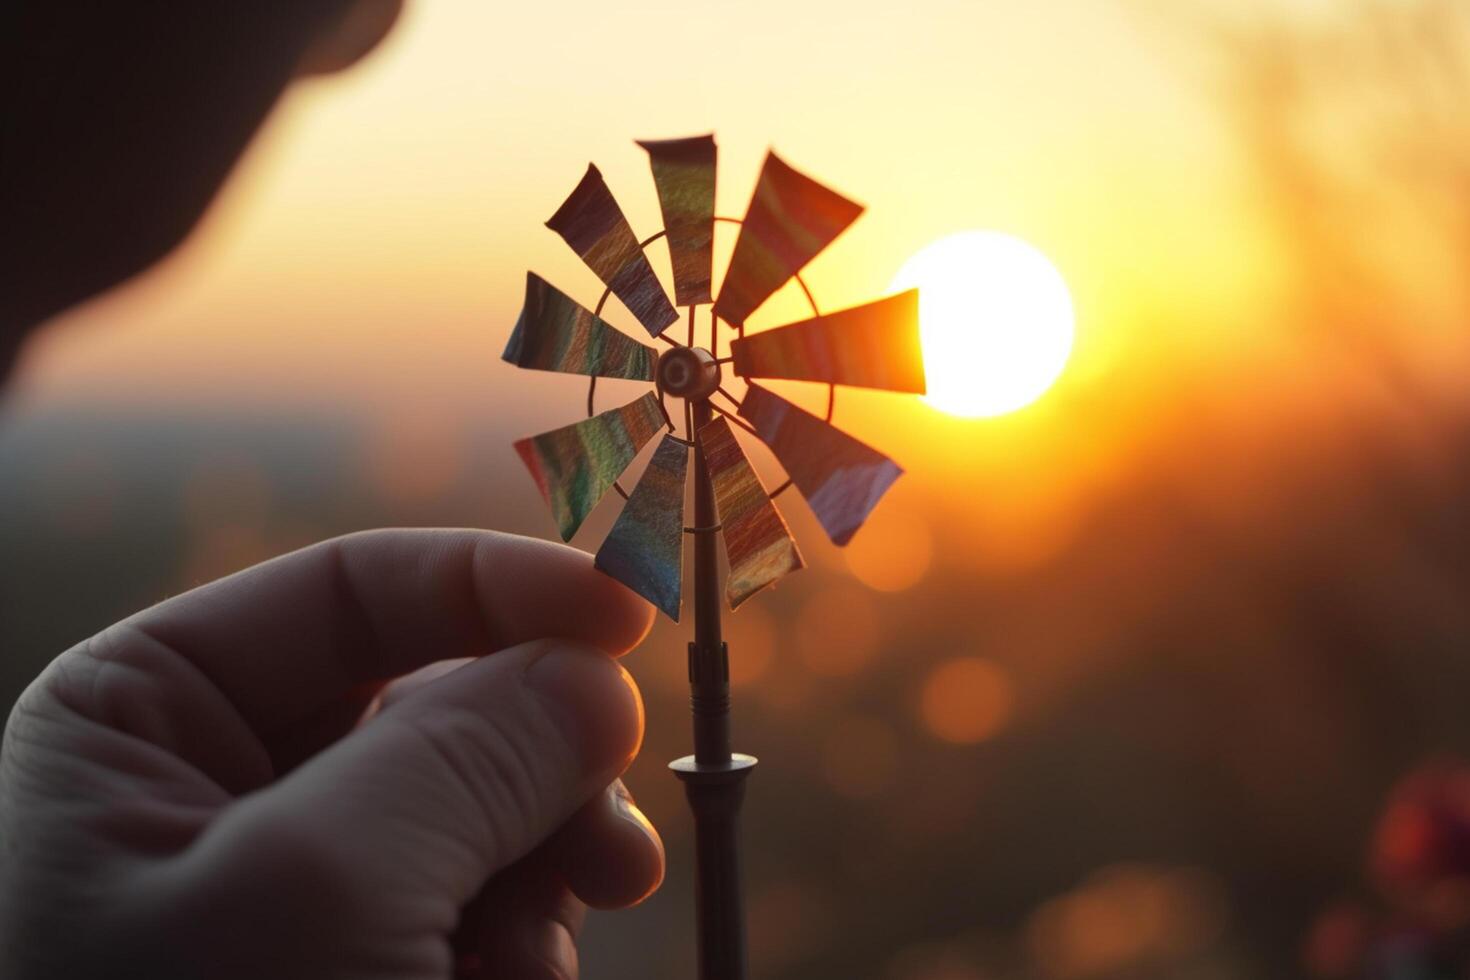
(1126, 918)
(1337, 942)
(752, 638)
(966, 700)
(892, 552)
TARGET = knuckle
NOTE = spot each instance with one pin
(102, 673)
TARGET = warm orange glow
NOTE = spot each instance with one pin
(1125, 916)
(1231, 442)
(371, 251)
(966, 700)
(892, 552)
(221, 551)
(752, 638)
(415, 458)
(995, 318)
(837, 632)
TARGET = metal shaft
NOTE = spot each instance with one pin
(715, 799)
(709, 673)
(714, 777)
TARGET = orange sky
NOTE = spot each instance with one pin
(373, 246)
(369, 256)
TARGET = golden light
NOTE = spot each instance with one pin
(966, 700)
(893, 553)
(753, 635)
(837, 632)
(995, 320)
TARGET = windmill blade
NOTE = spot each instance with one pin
(841, 478)
(791, 218)
(758, 544)
(556, 333)
(645, 549)
(870, 346)
(575, 465)
(593, 225)
(684, 172)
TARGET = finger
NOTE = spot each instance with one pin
(606, 856)
(401, 688)
(450, 785)
(288, 637)
(524, 924)
(537, 941)
(330, 722)
(609, 853)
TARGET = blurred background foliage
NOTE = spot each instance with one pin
(1185, 704)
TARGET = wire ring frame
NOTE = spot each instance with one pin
(714, 342)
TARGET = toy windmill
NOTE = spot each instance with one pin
(790, 220)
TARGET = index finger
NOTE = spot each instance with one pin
(283, 639)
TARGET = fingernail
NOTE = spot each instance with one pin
(593, 701)
(621, 793)
(628, 809)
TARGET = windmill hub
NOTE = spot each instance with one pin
(688, 372)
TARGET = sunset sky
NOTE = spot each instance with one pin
(368, 259)
(372, 248)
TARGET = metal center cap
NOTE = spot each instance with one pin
(688, 372)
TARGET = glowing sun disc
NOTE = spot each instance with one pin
(995, 321)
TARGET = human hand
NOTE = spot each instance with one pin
(196, 792)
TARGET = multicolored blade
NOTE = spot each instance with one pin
(645, 550)
(758, 544)
(556, 333)
(841, 478)
(684, 172)
(871, 346)
(593, 225)
(791, 218)
(574, 465)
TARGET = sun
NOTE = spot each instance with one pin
(995, 320)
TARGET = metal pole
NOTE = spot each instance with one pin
(709, 673)
(714, 777)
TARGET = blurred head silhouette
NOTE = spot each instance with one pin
(119, 122)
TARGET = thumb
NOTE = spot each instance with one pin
(461, 778)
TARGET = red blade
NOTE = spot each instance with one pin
(871, 346)
(574, 465)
